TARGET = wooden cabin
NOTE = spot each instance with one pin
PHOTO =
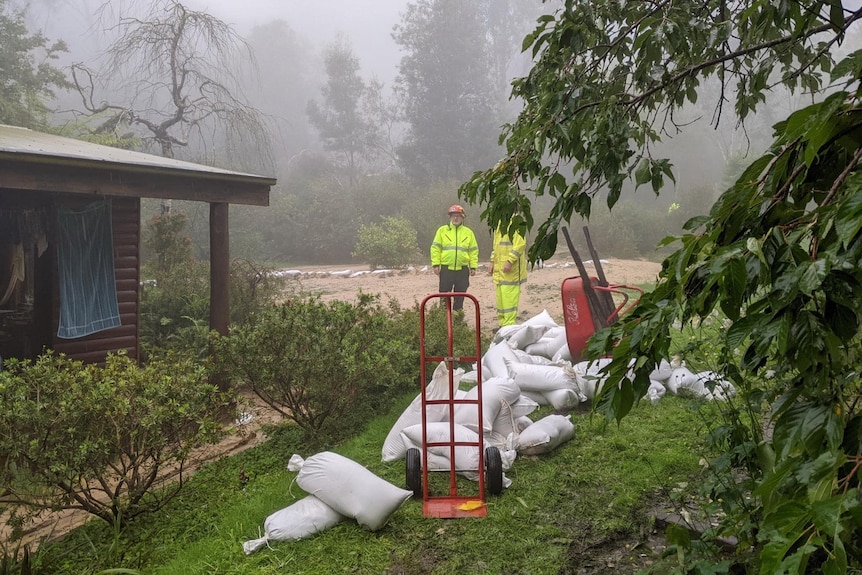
(70, 240)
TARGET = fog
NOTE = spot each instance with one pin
(367, 23)
(368, 27)
(289, 40)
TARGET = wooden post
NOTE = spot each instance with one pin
(219, 268)
(219, 279)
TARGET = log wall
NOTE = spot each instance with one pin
(126, 223)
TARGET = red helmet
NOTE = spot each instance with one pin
(456, 209)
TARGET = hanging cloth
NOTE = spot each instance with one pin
(85, 261)
(16, 273)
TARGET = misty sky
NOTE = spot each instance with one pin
(367, 23)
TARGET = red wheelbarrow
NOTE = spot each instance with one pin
(588, 302)
(452, 505)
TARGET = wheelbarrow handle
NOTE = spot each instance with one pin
(619, 289)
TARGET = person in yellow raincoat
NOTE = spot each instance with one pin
(508, 270)
(455, 255)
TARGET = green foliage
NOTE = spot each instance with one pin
(390, 244)
(14, 560)
(332, 366)
(29, 78)
(329, 367)
(608, 77)
(448, 87)
(577, 502)
(175, 310)
(166, 240)
(777, 256)
(176, 289)
(101, 438)
(341, 120)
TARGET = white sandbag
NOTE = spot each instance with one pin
(466, 457)
(303, 518)
(563, 354)
(553, 340)
(590, 376)
(524, 357)
(662, 371)
(500, 441)
(523, 406)
(683, 378)
(459, 394)
(546, 434)
(542, 318)
(523, 423)
(564, 399)
(496, 392)
(506, 331)
(494, 360)
(437, 388)
(542, 378)
(592, 368)
(536, 396)
(526, 335)
(505, 424)
(656, 391)
(351, 489)
(721, 388)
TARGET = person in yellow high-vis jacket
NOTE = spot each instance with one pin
(455, 255)
(509, 271)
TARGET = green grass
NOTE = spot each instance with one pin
(598, 486)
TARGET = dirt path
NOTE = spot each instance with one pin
(411, 286)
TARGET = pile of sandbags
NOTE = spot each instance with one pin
(527, 365)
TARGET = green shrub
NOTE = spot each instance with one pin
(175, 296)
(329, 367)
(98, 438)
(165, 238)
(437, 334)
(175, 307)
(390, 244)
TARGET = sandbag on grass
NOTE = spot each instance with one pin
(303, 518)
(349, 488)
(546, 434)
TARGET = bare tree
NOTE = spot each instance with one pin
(174, 77)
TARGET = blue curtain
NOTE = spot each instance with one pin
(85, 260)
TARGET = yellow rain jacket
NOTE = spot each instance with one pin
(513, 251)
(455, 247)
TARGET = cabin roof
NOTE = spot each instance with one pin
(31, 160)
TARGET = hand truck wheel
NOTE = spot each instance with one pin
(414, 471)
(493, 471)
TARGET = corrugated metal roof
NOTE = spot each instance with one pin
(22, 144)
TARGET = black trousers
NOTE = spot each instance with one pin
(455, 281)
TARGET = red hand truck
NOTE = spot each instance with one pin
(490, 467)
